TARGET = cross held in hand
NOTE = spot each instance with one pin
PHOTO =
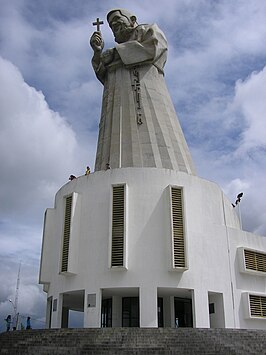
(98, 23)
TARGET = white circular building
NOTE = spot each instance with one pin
(145, 246)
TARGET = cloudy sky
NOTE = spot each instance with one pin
(50, 106)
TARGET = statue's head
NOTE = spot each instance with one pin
(122, 22)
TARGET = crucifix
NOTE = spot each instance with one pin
(98, 23)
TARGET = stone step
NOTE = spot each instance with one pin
(134, 341)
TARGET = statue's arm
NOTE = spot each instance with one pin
(99, 68)
(97, 45)
(148, 47)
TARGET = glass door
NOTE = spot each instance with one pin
(130, 312)
(106, 317)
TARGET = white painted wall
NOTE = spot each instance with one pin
(212, 237)
(246, 282)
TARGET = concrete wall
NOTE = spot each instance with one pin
(246, 282)
(212, 236)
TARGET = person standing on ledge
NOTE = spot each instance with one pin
(8, 322)
(139, 126)
(88, 171)
(28, 325)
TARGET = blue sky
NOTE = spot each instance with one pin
(50, 105)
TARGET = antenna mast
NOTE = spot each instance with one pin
(17, 290)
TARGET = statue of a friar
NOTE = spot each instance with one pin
(139, 126)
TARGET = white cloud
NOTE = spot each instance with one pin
(38, 149)
(250, 101)
(242, 167)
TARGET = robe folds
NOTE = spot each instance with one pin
(139, 126)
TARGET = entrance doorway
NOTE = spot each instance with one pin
(106, 316)
(183, 312)
(130, 312)
(216, 310)
(72, 301)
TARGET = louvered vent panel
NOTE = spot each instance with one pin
(118, 226)
(178, 230)
(255, 261)
(257, 306)
(66, 237)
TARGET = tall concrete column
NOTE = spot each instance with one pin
(200, 306)
(49, 309)
(166, 312)
(148, 307)
(116, 311)
(172, 311)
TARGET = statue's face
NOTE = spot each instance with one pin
(121, 27)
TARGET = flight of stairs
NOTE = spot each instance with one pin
(182, 341)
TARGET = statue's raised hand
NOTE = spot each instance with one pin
(97, 42)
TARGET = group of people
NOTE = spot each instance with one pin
(8, 321)
(87, 172)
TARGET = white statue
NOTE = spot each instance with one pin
(139, 126)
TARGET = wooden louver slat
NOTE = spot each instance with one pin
(118, 226)
(178, 229)
(255, 261)
(257, 306)
(66, 237)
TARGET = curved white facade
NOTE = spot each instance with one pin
(213, 283)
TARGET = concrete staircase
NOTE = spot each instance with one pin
(182, 341)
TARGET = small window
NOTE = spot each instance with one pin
(255, 261)
(211, 308)
(91, 300)
(177, 228)
(118, 226)
(257, 306)
(55, 305)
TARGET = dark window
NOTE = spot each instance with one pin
(55, 305)
(211, 308)
(160, 312)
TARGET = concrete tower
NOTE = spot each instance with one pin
(143, 241)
